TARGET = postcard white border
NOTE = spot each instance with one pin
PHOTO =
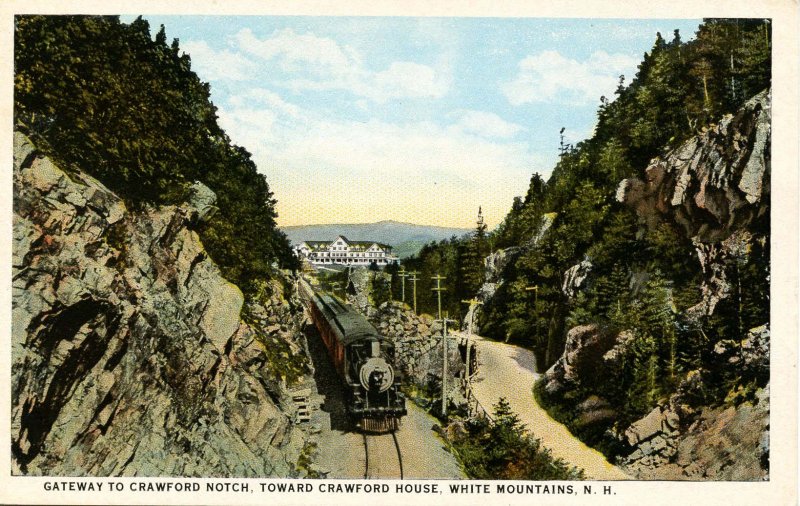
(782, 486)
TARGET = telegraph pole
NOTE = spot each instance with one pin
(444, 321)
(472, 304)
(403, 275)
(413, 278)
(439, 291)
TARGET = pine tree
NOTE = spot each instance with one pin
(144, 126)
(472, 270)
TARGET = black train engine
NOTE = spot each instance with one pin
(365, 362)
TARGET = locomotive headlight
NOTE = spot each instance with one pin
(376, 375)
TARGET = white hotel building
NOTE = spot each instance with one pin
(341, 251)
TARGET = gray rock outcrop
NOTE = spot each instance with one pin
(418, 346)
(713, 187)
(202, 201)
(752, 353)
(713, 184)
(494, 265)
(128, 353)
(362, 289)
(674, 442)
(586, 352)
(496, 262)
(574, 278)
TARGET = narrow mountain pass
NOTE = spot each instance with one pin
(507, 371)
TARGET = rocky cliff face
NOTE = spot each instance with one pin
(129, 356)
(675, 441)
(583, 357)
(574, 278)
(715, 183)
(713, 187)
(362, 287)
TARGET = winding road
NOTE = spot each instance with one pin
(508, 371)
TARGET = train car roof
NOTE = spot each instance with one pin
(352, 324)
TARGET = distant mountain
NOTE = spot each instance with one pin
(406, 238)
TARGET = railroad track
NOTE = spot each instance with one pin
(382, 456)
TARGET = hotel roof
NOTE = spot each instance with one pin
(354, 245)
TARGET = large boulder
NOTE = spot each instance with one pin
(582, 360)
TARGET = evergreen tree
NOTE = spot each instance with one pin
(471, 273)
(104, 97)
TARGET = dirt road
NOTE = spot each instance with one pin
(508, 371)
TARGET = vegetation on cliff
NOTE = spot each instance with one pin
(108, 98)
(637, 278)
(502, 449)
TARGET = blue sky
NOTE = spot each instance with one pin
(360, 119)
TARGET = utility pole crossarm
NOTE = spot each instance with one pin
(439, 289)
(403, 275)
(535, 290)
(413, 277)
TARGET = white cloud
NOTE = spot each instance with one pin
(386, 170)
(213, 65)
(404, 79)
(487, 124)
(320, 63)
(264, 97)
(550, 77)
(299, 52)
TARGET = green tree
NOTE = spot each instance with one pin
(502, 449)
(105, 97)
(471, 271)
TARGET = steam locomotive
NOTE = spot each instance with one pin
(363, 359)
